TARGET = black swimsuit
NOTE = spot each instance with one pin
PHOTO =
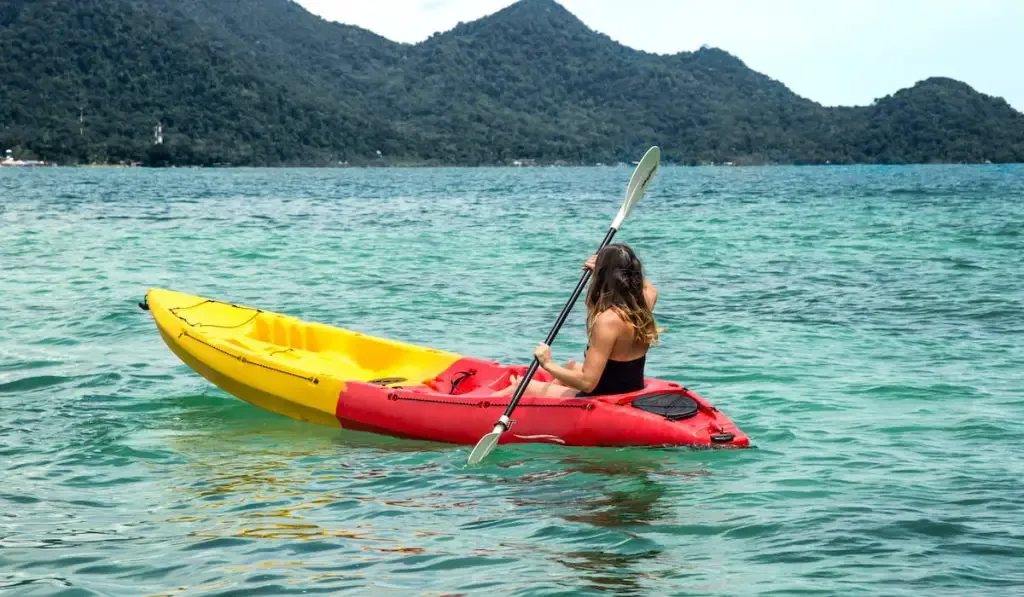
(619, 377)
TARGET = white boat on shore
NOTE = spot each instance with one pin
(10, 162)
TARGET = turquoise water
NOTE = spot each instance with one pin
(864, 325)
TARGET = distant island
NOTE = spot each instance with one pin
(266, 83)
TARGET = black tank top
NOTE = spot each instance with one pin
(619, 377)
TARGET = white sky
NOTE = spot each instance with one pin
(836, 52)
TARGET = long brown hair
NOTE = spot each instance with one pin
(618, 283)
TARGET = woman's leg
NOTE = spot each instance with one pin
(550, 389)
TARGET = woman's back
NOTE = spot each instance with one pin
(624, 370)
(627, 346)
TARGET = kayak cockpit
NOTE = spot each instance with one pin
(340, 353)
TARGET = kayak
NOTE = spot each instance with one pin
(344, 378)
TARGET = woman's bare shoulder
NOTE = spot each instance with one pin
(611, 321)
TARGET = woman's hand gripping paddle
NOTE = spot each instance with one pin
(642, 176)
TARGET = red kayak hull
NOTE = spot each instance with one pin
(459, 406)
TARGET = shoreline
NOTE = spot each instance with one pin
(401, 166)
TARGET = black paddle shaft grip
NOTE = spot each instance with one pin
(554, 330)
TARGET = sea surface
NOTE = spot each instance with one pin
(864, 325)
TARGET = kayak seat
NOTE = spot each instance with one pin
(468, 375)
(477, 376)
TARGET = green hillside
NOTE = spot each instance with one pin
(263, 82)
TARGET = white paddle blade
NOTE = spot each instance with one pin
(485, 445)
(642, 175)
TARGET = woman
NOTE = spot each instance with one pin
(620, 327)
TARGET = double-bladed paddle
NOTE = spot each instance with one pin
(642, 175)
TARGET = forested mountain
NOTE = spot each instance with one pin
(263, 82)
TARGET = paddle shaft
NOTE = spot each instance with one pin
(554, 331)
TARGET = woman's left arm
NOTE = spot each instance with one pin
(602, 340)
(651, 294)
